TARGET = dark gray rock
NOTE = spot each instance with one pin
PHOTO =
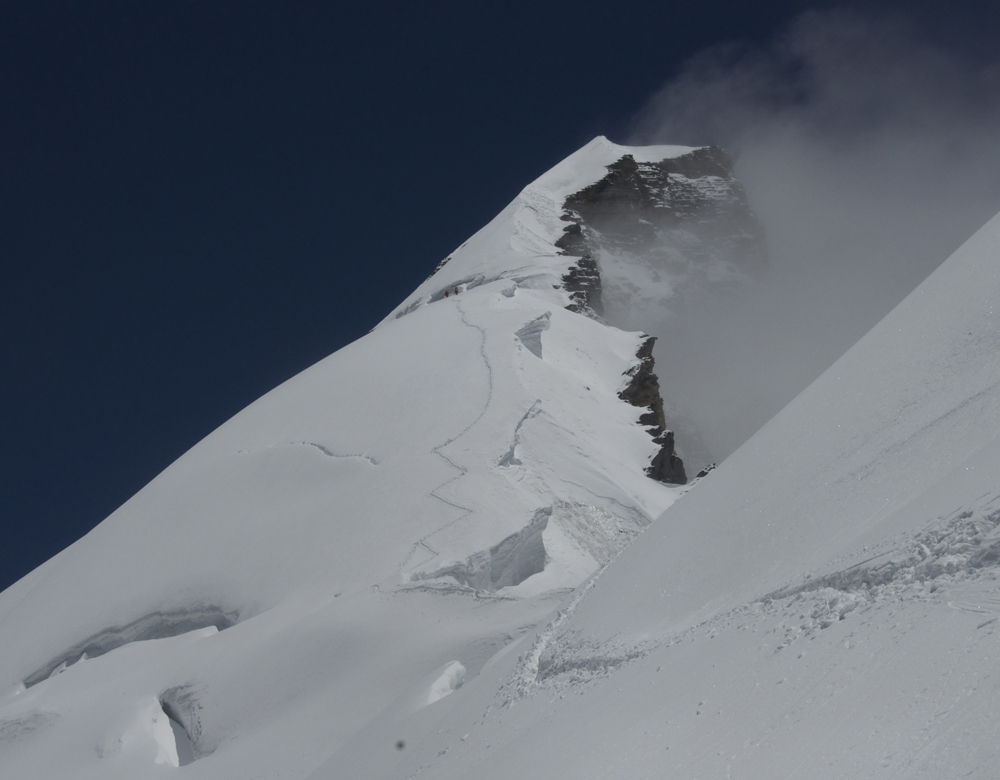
(680, 215)
(644, 391)
(640, 204)
(687, 217)
(583, 282)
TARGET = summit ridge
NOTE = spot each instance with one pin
(462, 547)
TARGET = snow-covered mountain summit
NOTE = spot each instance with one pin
(413, 558)
(655, 220)
(363, 538)
(623, 230)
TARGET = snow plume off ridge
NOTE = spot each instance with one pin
(870, 153)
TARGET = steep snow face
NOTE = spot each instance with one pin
(349, 549)
(825, 604)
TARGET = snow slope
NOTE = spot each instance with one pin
(408, 560)
(350, 548)
(824, 605)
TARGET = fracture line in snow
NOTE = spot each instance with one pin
(907, 443)
(330, 454)
(422, 542)
(509, 459)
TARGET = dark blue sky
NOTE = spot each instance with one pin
(200, 199)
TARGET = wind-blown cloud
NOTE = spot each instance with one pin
(870, 154)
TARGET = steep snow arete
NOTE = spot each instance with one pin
(355, 544)
(412, 559)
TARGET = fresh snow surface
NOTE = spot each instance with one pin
(826, 604)
(319, 576)
(408, 561)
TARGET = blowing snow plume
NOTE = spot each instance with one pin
(869, 154)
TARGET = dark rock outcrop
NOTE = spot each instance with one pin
(583, 280)
(680, 214)
(644, 391)
(439, 266)
(705, 471)
(641, 203)
(685, 220)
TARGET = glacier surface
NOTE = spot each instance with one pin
(436, 553)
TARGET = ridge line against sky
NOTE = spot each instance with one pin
(198, 201)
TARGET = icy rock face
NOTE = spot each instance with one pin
(583, 280)
(696, 190)
(647, 230)
(643, 234)
(644, 391)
